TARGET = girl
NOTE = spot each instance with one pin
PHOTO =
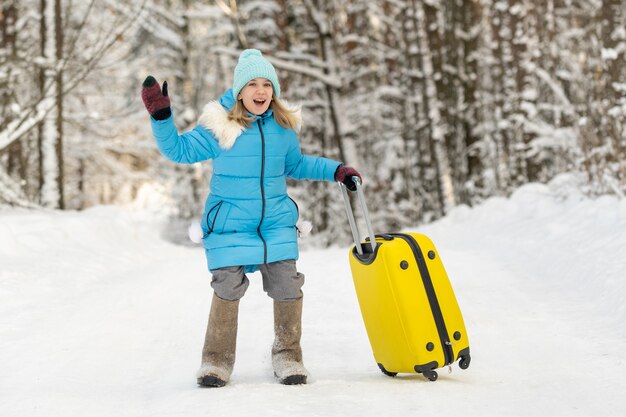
(249, 221)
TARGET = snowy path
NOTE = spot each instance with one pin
(108, 320)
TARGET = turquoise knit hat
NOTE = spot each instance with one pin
(253, 65)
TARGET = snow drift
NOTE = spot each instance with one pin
(103, 317)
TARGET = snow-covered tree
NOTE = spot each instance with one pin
(437, 103)
(57, 45)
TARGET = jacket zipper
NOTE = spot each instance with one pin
(262, 192)
(432, 297)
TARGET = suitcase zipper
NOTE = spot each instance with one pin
(432, 297)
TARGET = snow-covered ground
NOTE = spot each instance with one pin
(102, 317)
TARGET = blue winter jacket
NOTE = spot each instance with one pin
(248, 217)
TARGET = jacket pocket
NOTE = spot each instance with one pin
(296, 213)
(216, 217)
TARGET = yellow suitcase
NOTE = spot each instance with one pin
(412, 318)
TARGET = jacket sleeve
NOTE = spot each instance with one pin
(194, 146)
(307, 167)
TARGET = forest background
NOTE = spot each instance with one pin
(438, 103)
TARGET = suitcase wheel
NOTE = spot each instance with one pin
(464, 362)
(386, 372)
(431, 375)
(465, 357)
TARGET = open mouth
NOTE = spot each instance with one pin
(259, 102)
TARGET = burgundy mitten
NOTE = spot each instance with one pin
(344, 174)
(157, 102)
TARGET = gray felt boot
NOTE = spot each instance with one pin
(218, 355)
(286, 351)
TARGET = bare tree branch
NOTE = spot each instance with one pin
(36, 112)
(295, 68)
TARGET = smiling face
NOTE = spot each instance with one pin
(257, 95)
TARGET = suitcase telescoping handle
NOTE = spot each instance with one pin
(353, 225)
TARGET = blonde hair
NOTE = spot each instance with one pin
(283, 116)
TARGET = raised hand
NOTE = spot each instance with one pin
(157, 101)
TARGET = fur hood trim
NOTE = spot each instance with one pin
(214, 117)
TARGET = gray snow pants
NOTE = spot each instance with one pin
(281, 281)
